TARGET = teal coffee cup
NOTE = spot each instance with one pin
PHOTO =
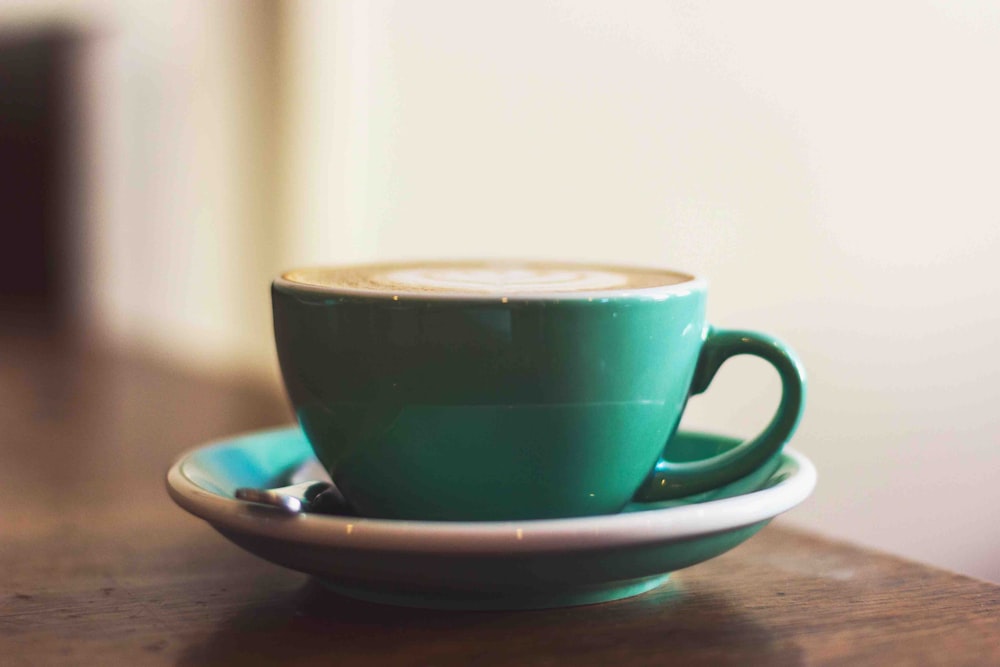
(500, 391)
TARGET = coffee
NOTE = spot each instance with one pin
(485, 278)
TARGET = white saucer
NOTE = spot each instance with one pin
(480, 565)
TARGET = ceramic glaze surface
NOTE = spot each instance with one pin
(492, 409)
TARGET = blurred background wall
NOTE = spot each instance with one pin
(831, 168)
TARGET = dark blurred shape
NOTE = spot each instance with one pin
(35, 148)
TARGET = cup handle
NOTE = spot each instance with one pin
(675, 479)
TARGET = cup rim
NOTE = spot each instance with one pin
(689, 283)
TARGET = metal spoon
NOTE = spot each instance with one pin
(311, 496)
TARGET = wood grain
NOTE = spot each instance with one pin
(99, 567)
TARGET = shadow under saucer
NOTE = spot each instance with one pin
(313, 625)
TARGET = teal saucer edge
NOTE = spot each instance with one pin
(575, 596)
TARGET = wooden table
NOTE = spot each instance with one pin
(98, 567)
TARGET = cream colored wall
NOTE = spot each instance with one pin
(188, 271)
(175, 216)
(832, 168)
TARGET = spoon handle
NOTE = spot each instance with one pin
(288, 499)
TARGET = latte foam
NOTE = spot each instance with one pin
(484, 278)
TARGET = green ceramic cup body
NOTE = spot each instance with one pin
(501, 409)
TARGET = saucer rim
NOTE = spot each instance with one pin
(488, 537)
